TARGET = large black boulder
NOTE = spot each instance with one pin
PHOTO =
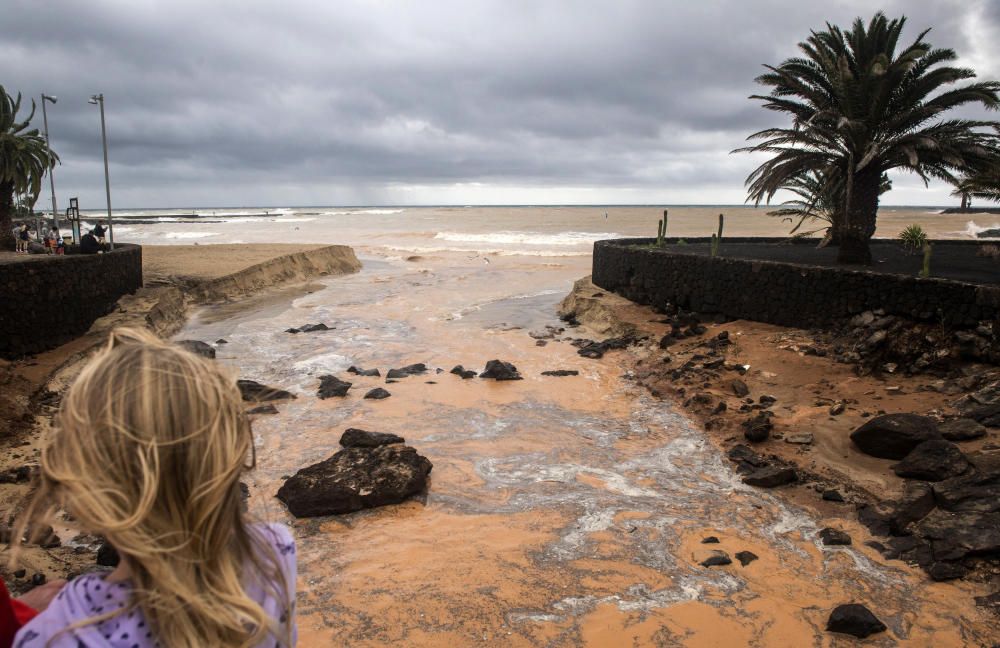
(982, 405)
(893, 436)
(198, 348)
(854, 619)
(934, 461)
(355, 438)
(355, 479)
(500, 370)
(251, 390)
(378, 394)
(330, 386)
(408, 370)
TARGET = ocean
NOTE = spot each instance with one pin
(521, 230)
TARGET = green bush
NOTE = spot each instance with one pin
(914, 238)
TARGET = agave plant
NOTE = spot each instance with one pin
(913, 238)
(24, 160)
(861, 105)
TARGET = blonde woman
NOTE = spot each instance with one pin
(150, 444)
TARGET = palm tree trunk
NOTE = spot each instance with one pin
(6, 211)
(858, 225)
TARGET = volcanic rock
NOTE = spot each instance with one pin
(982, 405)
(561, 372)
(330, 386)
(832, 496)
(107, 556)
(945, 571)
(254, 391)
(854, 619)
(408, 370)
(198, 347)
(466, 374)
(978, 491)
(917, 501)
(710, 540)
(355, 479)
(263, 409)
(355, 438)
(746, 459)
(745, 557)
(771, 476)
(717, 559)
(893, 436)
(596, 350)
(500, 370)
(309, 328)
(739, 387)
(834, 537)
(954, 536)
(357, 371)
(378, 394)
(935, 460)
(758, 428)
(962, 429)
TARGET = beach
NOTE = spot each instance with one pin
(561, 511)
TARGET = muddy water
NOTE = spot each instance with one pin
(562, 511)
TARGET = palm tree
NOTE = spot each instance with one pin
(860, 108)
(24, 160)
(818, 197)
(984, 184)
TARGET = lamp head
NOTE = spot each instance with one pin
(95, 98)
(51, 98)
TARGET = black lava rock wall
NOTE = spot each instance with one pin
(49, 301)
(787, 294)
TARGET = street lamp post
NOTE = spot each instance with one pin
(48, 149)
(98, 99)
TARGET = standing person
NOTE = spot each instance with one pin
(56, 243)
(22, 239)
(99, 231)
(149, 447)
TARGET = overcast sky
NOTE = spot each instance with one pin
(325, 103)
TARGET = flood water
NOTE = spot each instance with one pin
(561, 511)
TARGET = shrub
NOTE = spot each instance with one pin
(913, 238)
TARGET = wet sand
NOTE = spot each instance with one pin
(172, 263)
(562, 511)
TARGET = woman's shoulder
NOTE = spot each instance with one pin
(277, 536)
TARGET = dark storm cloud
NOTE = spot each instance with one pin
(304, 102)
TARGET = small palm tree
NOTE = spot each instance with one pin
(984, 184)
(818, 197)
(24, 160)
(861, 106)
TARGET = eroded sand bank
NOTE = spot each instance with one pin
(562, 511)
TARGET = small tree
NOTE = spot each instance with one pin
(24, 160)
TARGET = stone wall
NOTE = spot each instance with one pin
(52, 299)
(782, 293)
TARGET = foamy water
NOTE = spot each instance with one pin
(561, 511)
(503, 231)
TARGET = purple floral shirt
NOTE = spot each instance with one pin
(90, 595)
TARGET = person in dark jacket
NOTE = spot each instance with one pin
(89, 244)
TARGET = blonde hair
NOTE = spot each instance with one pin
(149, 446)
